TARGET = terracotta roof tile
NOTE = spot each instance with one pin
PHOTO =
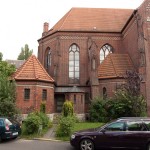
(115, 65)
(32, 70)
(93, 19)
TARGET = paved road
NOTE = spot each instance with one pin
(20, 144)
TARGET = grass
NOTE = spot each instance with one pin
(81, 126)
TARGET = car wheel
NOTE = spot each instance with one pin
(86, 144)
(148, 146)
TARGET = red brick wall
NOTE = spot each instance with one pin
(35, 96)
(111, 85)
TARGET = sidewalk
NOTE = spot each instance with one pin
(50, 135)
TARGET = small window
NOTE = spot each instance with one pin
(44, 94)
(117, 126)
(74, 99)
(26, 94)
(104, 93)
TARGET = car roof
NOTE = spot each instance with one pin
(133, 119)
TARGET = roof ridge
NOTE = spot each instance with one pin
(35, 70)
(44, 70)
(19, 71)
(67, 15)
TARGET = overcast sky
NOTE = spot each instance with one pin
(21, 21)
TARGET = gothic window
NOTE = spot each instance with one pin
(104, 51)
(74, 64)
(104, 93)
(48, 58)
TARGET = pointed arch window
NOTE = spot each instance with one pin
(104, 93)
(48, 58)
(104, 51)
(74, 68)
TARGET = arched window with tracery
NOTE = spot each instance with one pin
(104, 51)
(74, 64)
(48, 58)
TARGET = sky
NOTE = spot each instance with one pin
(21, 21)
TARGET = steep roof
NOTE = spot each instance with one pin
(115, 65)
(32, 70)
(93, 19)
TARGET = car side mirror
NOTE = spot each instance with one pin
(103, 130)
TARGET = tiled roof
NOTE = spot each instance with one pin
(93, 19)
(32, 70)
(115, 65)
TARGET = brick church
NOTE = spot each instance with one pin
(84, 55)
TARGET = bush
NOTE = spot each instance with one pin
(123, 104)
(67, 108)
(43, 107)
(33, 122)
(65, 126)
(98, 112)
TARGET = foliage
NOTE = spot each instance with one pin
(8, 108)
(123, 104)
(81, 126)
(6, 69)
(1, 56)
(32, 124)
(43, 107)
(67, 109)
(65, 126)
(25, 53)
(98, 111)
(34, 121)
(7, 96)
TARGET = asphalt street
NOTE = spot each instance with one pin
(20, 144)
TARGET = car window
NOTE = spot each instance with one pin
(135, 126)
(8, 122)
(1, 122)
(117, 126)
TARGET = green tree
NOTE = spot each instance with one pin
(7, 90)
(25, 53)
(1, 56)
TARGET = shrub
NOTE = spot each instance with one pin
(43, 107)
(65, 126)
(32, 124)
(67, 108)
(98, 112)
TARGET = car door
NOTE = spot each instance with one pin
(136, 134)
(112, 136)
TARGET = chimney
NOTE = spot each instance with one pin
(45, 27)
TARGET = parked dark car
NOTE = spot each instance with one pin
(123, 133)
(9, 128)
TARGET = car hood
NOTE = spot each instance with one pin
(87, 131)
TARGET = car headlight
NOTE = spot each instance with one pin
(73, 136)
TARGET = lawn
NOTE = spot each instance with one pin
(82, 126)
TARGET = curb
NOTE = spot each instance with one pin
(46, 139)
